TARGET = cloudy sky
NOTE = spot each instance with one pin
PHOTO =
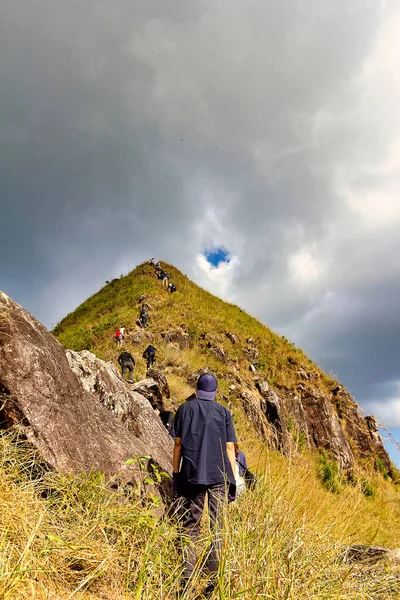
(172, 128)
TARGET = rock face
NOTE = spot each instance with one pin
(148, 388)
(125, 401)
(80, 418)
(312, 418)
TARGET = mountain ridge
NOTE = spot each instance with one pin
(266, 380)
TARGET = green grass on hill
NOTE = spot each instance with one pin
(205, 317)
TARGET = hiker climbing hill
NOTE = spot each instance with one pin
(150, 355)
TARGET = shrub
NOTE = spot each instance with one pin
(367, 488)
(329, 473)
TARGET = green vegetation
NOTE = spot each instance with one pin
(203, 316)
(329, 473)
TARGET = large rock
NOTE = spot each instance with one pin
(161, 380)
(150, 389)
(177, 336)
(63, 412)
(130, 407)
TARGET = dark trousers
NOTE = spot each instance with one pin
(193, 503)
(127, 366)
(150, 359)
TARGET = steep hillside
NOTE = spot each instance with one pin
(271, 386)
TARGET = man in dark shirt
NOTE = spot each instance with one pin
(203, 466)
(127, 362)
(150, 355)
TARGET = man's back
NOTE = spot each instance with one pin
(125, 357)
(204, 427)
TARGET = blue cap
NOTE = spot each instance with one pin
(207, 387)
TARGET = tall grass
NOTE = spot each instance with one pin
(70, 537)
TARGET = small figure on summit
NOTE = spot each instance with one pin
(127, 362)
(120, 336)
(203, 466)
(152, 262)
(150, 355)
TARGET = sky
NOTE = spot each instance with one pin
(180, 129)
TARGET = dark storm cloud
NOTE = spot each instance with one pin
(131, 129)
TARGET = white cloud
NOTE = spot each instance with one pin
(304, 266)
(218, 279)
(387, 410)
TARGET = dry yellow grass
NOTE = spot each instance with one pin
(64, 537)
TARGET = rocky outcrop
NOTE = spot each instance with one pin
(81, 418)
(140, 337)
(161, 381)
(311, 418)
(149, 388)
(177, 336)
(129, 404)
(251, 353)
(218, 353)
(233, 337)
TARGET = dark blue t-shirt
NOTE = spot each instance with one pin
(204, 427)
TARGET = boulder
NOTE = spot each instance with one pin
(63, 411)
(251, 354)
(218, 353)
(233, 337)
(161, 381)
(178, 336)
(130, 407)
(150, 389)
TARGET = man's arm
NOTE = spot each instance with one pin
(176, 461)
(230, 451)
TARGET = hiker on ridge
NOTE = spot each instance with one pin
(152, 262)
(127, 362)
(166, 280)
(203, 465)
(143, 318)
(120, 336)
(172, 288)
(150, 355)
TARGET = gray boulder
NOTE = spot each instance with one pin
(65, 412)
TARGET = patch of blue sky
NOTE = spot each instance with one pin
(216, 256)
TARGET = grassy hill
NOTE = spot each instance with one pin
(203, 316)
(197, 324)
(67, 537)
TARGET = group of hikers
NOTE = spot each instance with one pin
(162, 275)
(127, 361)
(208, 466)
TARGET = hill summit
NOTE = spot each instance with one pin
(276, 393)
